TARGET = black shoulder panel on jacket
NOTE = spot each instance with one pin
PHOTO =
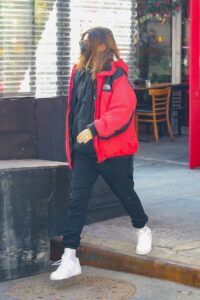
(118, 73)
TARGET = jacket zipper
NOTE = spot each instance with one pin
(100, 81)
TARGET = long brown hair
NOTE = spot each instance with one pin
(94, 59)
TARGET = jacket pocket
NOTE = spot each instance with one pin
(105, 100)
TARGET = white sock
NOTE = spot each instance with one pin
(70, 252)
(143, 228)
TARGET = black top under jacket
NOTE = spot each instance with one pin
(82, 109)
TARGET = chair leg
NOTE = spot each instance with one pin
(155, 131)
(170, 129)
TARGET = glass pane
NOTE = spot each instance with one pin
(185, 42)
(154, 50)
(39, 41)
(45, 48)
(16, 46)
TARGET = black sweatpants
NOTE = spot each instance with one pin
(118, 174)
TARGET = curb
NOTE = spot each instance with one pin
(107, 258)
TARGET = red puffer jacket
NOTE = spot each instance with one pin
(114, 114)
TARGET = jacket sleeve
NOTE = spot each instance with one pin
(92, 128)
(120, 111)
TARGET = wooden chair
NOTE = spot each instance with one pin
(157, 112)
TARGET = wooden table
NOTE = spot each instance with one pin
(144, 87)
(142, 90)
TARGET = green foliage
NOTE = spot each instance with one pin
(163, 7)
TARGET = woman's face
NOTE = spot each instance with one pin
(84, 45)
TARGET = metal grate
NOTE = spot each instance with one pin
(76, 288)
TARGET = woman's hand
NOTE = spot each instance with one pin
(84, 136)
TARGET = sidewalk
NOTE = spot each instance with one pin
(96, 284)
(170, 193)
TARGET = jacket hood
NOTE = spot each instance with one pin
(113, 66)
(120, 63)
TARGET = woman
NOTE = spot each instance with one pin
(100, 139)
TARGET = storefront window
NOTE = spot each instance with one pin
(33, 48)
(15, 45)
(39, 41)
(185, 42)
(153, 47)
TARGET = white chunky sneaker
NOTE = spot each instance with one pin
(69, 266)
(144, 244)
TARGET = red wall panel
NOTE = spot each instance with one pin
(194, 123)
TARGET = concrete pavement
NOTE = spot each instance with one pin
(96, 284)
(170, 193)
